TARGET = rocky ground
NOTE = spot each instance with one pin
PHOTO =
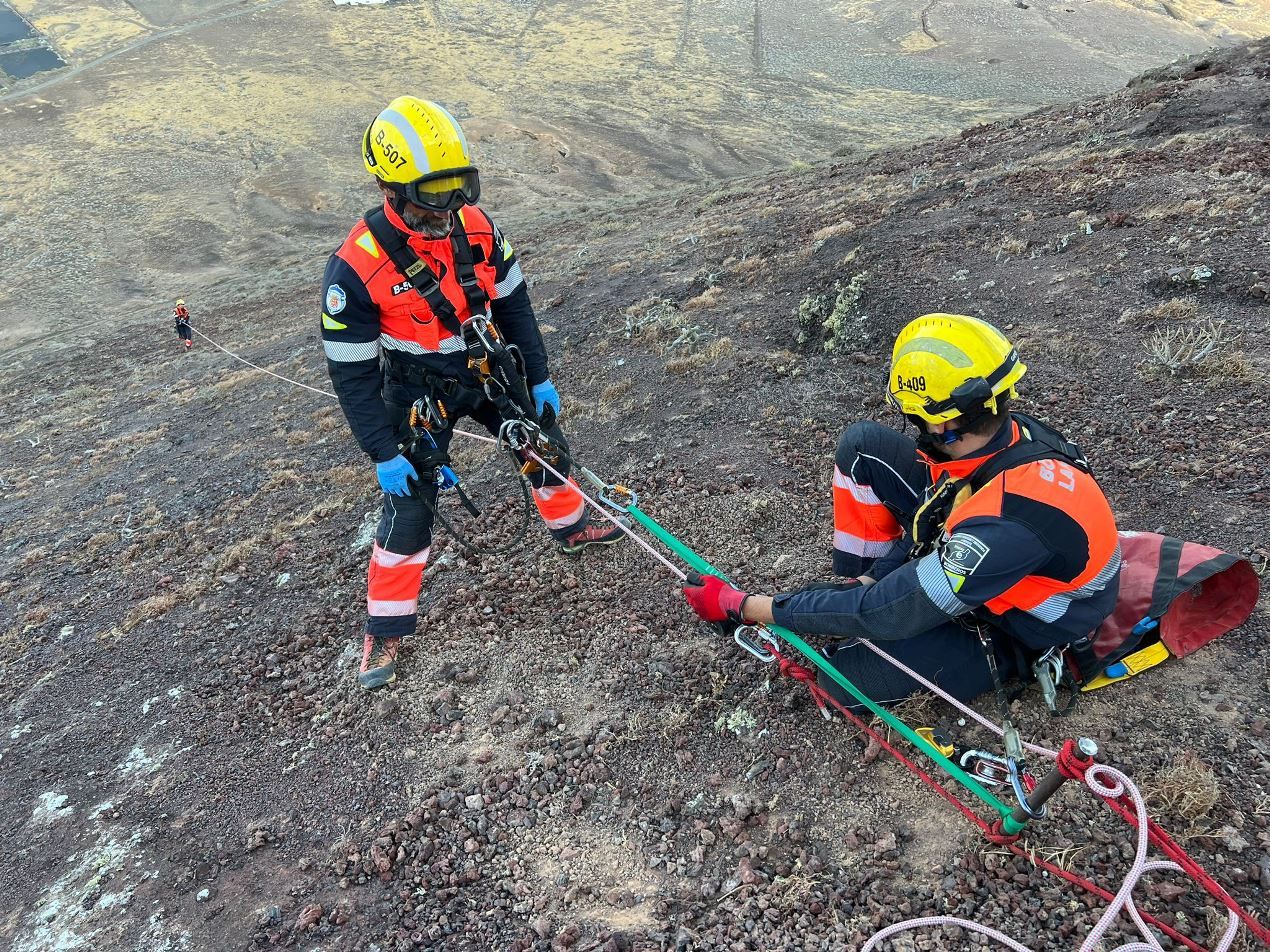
(569, 761)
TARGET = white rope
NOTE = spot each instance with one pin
(602, 510)
(266, 370)
(317, 390)
(1105, 782)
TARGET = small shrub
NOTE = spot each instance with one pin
(1195, 347)
(816, 317)
(1011, 247)
(1187, 789)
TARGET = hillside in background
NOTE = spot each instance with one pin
(569, 761)
(209, 148)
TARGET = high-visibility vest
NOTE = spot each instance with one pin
(406, 322)
(1050, 496)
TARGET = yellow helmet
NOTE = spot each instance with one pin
(418, 150)
(948, 365)
(180, 302)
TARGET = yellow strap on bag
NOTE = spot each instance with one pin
(1135, 663)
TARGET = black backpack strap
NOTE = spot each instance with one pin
(1039, 442)
(413, 268)
(465, 259)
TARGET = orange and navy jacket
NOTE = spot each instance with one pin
(181, 314)
(369, 308)
(1035, 552)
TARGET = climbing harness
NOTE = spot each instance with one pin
(422, 278)
(977, 769)
(1038, 442)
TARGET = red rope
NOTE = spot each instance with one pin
(1073, 767)
(1170, 848)
(820, 696)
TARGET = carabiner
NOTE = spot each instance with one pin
(1018, 780)
(606, 489)
(515, 434)
(749, 638)
(988, 768)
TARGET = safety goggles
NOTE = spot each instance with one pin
(446, 191)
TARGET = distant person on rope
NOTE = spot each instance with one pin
(401, 298)
(988, 521)
(181, 321)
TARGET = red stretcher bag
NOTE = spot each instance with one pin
(1196, 592)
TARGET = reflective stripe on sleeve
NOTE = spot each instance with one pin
(345, 353)
(1055, 607)
(930, 574)
(514, 279)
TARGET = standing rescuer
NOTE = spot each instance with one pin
(409, 282)
(988, 521)
(181, 323)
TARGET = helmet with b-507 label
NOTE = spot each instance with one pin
(417, 149)
(945, 366)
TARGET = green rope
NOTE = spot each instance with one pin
(1009, 825)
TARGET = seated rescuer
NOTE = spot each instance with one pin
(372, 310)
(935, 548)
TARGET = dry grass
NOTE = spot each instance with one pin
(707, 299)
(280, 479)
(327, 507)
(715, 350)
(1191, 208)
(156, 606)
(99, 540)
(1174, 309)
(236, 555)
(790, 892)
(613, 393)
(234, 380)
(129, 442)
(822, 235)
(1060, 856)
(1188, 789)
(1008, 247)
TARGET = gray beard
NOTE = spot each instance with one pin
(429, 225)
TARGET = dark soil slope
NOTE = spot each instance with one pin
(569, 761)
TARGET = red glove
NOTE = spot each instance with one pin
(713, 599)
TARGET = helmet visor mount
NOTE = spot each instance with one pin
(445, 191)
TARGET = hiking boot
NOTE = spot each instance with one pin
(606, 534)
(379, 662)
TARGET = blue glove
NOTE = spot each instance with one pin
(545, 395)
(393, 475)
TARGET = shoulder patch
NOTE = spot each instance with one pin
(367, 243)
(962, 554)
(336, 299)
(331, 324)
